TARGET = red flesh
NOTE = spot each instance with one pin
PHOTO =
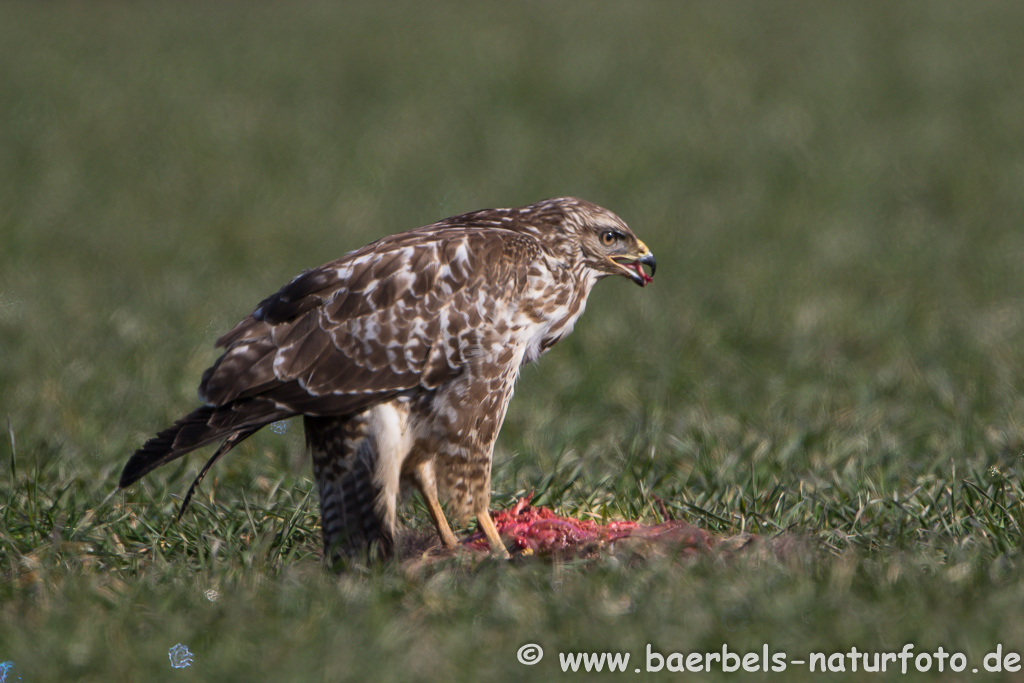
(642, 273)
(540, 531)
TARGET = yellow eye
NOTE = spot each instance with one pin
(608, 238)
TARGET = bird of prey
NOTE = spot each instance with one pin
(402, 357)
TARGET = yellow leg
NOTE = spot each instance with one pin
(483, 518)
(440, 521)
(428, 489)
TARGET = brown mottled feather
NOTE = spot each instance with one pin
(402, 355)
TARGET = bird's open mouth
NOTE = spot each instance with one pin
(634, 268)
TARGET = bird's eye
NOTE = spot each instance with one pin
(609, 237)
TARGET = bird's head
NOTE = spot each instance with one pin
(607, 244)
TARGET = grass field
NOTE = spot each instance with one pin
(832, 353)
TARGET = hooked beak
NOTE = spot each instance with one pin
(633, 267)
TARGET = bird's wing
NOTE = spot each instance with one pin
(379, 321)
(397, 314)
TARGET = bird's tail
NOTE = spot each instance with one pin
(344, 459)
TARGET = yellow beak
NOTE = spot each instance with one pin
(634, 267)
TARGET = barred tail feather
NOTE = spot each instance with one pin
(344, 458)
(363, 525)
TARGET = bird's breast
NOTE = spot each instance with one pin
(552, 318)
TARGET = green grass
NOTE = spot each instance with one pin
(832, 355)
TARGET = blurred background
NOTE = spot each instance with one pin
(834, 192)
(834, 196)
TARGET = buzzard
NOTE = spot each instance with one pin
(402, 357)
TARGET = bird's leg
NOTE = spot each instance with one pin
(440, 521)
(483, 518)
(425, 482)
